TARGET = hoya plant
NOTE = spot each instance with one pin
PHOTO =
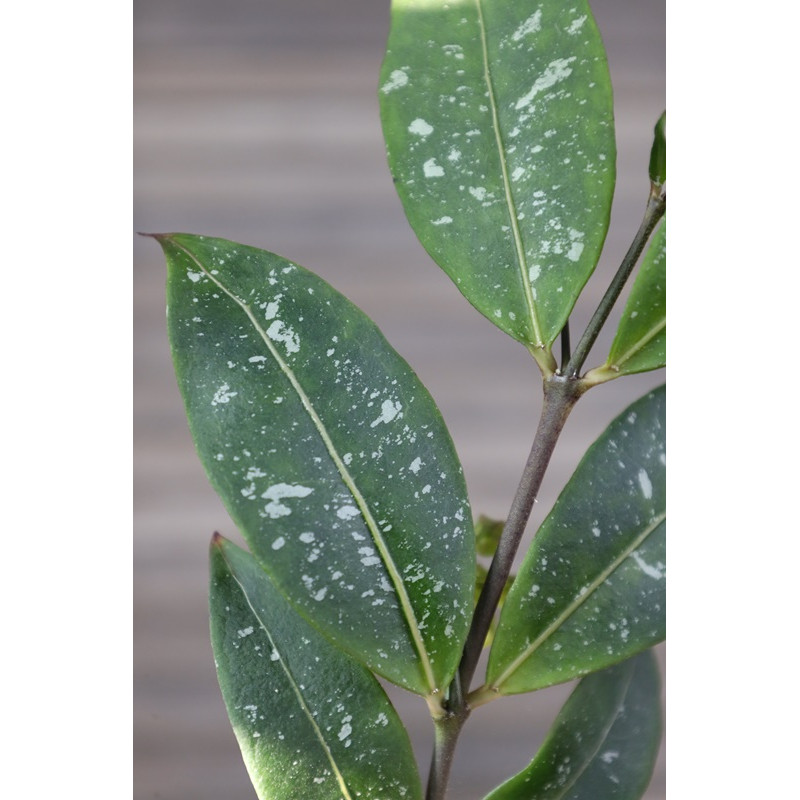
(336, 466)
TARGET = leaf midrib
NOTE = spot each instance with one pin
(369, 519)
(576, 603)
(510, 204)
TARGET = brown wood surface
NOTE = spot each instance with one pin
(258, 122)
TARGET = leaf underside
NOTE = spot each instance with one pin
(498, 123)
(329, 454)
(604, 742)
(591, 590)
(310, 721)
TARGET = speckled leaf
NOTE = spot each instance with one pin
(310, 721)
(499, 129)
(591, 589)
(604, 742)
(329, 454)
(641, 340)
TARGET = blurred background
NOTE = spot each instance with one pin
(257, 120)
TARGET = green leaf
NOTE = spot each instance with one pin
(604, 742)
(487, 535)
(309, 720)
(329, 454)
(499, 130)
(591, 589)
(658, 153)
(641, 340)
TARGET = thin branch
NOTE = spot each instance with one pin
(560, 395)
(656, 206)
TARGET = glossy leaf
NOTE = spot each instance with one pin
(329, 454)
(499, 130)
(590, 591)
(658, 153)
(641, 340)
(604, 742)
(310, 721)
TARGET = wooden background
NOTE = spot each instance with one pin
(257, 120)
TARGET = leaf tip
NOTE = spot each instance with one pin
(162, 238)
(217, 540)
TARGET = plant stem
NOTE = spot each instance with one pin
(560, 395)
(656, 206)
(447, 730)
